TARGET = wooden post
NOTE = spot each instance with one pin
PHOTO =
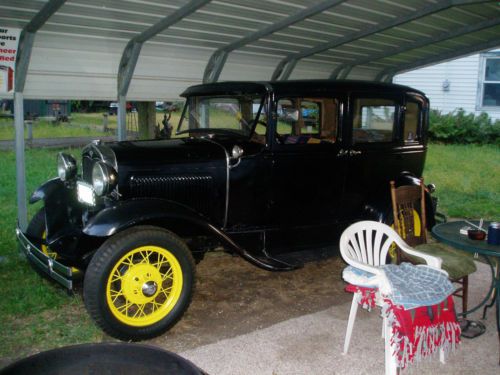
(147, 119)
(104, 122)
(29, 123)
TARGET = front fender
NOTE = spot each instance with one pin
(133, 212)
(47, 189)
(128, 213)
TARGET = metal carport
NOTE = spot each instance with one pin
(153, 49)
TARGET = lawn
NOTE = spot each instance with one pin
(38, 315)
(80, 125)
(467, 179)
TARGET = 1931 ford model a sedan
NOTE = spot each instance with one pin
(262, 169)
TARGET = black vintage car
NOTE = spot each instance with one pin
(263, 169)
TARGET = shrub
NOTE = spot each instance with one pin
(461, 128)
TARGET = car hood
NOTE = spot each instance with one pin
(159, 152)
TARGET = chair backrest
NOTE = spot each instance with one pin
(365, 244)
(408, 208)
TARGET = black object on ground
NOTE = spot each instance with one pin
(103, 359)
(472, 328)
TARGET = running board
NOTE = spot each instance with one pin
(269, 263)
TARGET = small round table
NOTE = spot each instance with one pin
(449, 233)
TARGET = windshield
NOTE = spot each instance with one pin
(235, 114)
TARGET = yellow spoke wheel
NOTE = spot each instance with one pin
(139, 282)
(144, 286)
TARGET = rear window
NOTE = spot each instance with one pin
(412, 122)
(373, 120)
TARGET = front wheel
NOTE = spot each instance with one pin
(139, 283)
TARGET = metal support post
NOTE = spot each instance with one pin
(22, 212)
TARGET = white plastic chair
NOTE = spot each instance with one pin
(364, 245)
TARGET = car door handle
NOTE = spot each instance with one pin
(342, 152)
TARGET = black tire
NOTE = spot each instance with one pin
(124, 276)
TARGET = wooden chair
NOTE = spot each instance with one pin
(408, 206)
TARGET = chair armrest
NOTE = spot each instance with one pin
(431, 260)
(364, 266)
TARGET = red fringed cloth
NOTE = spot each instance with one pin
(367, 295)
(417, 333)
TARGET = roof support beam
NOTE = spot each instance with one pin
(461, 52)
(411, 16)
(425, 41)
(345, 72)
(23, 57)
(132, 51)
(28, 37)
(218, 59)
(385, 76)
(336, 71)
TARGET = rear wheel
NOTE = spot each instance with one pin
(139, 283)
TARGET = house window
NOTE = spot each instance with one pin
(490, 81)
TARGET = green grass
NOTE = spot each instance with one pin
(467, 179)
(81, 125)
(36, 314)
(45, 129)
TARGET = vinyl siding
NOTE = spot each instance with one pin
(463, 77)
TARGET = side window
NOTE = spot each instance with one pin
(412, 122)
(373, 120)
(307, 121)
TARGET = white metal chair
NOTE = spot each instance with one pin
(364, 245)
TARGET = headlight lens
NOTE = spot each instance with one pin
(66, 166)
(103, 178)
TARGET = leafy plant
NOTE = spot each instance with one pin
(458, 127)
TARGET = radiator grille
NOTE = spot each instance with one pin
(195, 191)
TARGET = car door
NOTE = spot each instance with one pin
(307, 178)
(374, 152)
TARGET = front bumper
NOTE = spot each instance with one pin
(55, 270)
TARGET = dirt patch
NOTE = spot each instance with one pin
(233, 297)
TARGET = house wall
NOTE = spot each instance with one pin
(463, 78)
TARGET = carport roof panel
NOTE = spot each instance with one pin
(377, 35)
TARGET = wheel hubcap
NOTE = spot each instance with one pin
(149, 288)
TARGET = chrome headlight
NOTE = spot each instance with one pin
(66, 166)
(103, 178)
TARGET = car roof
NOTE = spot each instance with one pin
(295, 87)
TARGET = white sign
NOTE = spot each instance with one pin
(9, 40)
